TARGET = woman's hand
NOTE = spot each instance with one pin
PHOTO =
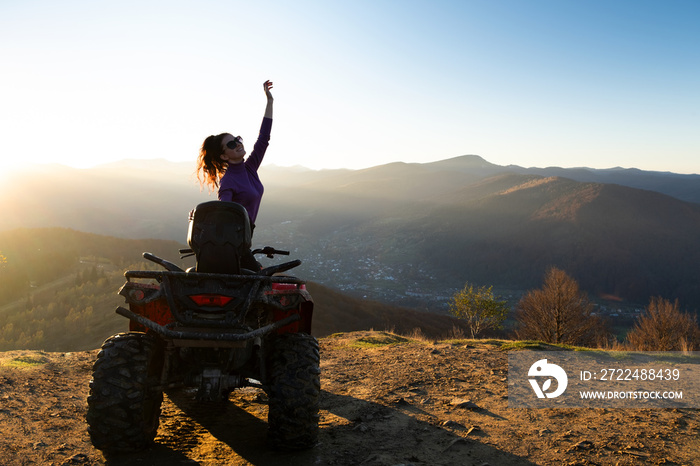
(267, 85)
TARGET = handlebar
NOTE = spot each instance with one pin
(273, 269)
(169, 266)
(269, 251)
(187, 252)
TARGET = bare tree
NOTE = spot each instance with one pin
(479, 308)
(558, 312)
(663, 327)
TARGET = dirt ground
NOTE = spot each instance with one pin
(406, 403)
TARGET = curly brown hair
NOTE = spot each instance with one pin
(209, 164)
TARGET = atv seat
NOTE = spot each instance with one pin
(219, 233)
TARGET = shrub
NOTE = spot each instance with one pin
(558, 313)
(479, 308)
(663, 327)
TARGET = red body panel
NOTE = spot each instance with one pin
(283, 293)
(158, 311)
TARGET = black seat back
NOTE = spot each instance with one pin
(219, 233)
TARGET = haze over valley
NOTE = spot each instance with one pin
(412, 234)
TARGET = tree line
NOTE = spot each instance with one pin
(32, 257)
(559, 312)
(69, 319)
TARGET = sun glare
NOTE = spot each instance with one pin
(6, 169)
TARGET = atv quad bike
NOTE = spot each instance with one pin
(213, 328)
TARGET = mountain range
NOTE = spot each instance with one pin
(413, 233)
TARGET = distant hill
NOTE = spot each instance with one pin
(130, 199)
(442, 228)
(615, 240)
(411, 234)
(680, 186)
(338, 312)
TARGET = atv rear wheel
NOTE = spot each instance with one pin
(123, 408)
(294, 391)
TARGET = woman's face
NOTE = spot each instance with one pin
(233, 149)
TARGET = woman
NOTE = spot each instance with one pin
(222, 165)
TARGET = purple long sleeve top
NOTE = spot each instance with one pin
(241, 183)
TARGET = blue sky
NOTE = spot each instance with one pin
(357, 83)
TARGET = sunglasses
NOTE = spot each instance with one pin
(234, 142)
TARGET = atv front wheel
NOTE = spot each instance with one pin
(123, 408)
(294, 391)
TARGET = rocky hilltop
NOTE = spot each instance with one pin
(386, 400)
